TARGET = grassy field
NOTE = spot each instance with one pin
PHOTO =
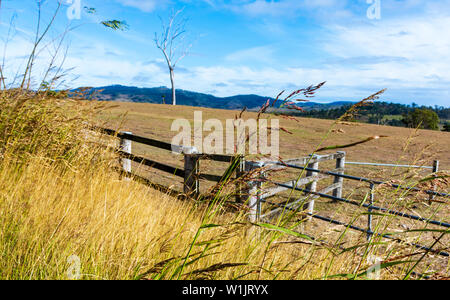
(66, 214)
(400, 146)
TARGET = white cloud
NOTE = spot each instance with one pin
(418, 41)
(406, 51)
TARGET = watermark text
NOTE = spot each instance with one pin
(236, 136)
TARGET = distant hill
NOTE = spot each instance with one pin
(381, 113)
(155, 95)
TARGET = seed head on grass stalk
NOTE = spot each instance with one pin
(349, 114)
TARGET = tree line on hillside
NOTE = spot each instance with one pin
(392, 114)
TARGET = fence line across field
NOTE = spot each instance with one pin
(371, 233)
(368, 180)
(434, 168)
(391, 165)
(310, 181)
(254, 194)
(311, 190)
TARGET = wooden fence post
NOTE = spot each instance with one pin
(312, 186)
(435, 170)
(340, 164)
(254, 199)
(125, 146)
(191, 184)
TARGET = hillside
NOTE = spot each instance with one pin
(381, 113)
(401, 145)
(156, 95)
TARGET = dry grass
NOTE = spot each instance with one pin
(402, 146)
(124, 230)
(54, 206)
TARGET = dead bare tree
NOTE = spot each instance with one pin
(172, 44)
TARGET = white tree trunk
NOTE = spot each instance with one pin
(174, 97)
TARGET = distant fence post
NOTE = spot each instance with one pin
(254, 194)
(435, 170)
(191, 172)
(125, 146)
(312, 186)
(340, 164)
(240, 170)
(369, 218)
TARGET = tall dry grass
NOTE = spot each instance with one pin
(124, 230)
(62, 203)
(60, 198)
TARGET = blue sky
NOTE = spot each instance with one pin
(253, 46)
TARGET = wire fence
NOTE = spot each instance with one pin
(391, 165)
(298, 206)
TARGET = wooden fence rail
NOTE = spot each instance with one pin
(191, 171)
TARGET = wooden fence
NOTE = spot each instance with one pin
(255, 193)
(251, 193)
(190, 173)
